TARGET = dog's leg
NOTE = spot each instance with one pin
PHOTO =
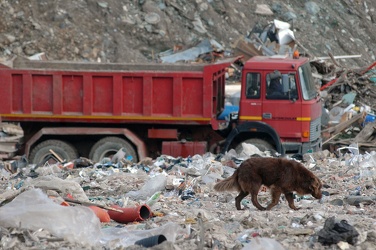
(276, 193)
(290, 199)
(255, 187)
(239, 198)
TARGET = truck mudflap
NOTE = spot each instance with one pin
(257, 128)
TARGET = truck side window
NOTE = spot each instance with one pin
(253, 85)
(274, 88)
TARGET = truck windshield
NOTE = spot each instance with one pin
(308, 86)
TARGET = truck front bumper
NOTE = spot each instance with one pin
(310, 147)
(302, 148)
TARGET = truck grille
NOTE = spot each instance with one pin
(315, 129)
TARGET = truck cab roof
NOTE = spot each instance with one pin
(274, 62)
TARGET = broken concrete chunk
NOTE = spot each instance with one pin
(263, 9)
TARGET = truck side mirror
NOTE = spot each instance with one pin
(285, 83)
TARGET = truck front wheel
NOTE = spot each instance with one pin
(41, 153)
(260, 144)
(109, 146)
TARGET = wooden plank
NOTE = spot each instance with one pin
(343, 125)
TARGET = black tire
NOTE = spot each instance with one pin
(260, 144)
(109, 146)
(41, 154)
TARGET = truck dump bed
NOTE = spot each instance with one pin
(53, 91)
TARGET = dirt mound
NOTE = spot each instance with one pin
(137, 31)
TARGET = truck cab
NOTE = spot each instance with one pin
(288, 120)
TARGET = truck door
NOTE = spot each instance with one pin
(250, 101)
(282, 109)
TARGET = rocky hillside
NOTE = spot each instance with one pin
(137, 31)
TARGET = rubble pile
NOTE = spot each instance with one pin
(10, 134)
(169, 203)
(137, 31)
(348, 98)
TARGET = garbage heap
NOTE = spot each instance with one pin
(169, 203)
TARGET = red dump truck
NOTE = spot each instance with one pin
(72, 109)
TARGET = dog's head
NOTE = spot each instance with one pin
(315, 187)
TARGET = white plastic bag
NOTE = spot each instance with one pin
(154, 184)
(33, 210)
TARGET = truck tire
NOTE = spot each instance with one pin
(109, 146)
(41, 153)
(260, 144)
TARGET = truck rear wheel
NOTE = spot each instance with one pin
(42, 154)
(260, 144)
(109, 146)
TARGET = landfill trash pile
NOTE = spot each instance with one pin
(169, 203)
(348, 98)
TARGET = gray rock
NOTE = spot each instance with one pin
(312, 8)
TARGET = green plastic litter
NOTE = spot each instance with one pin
(349, 97)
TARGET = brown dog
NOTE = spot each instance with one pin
(279, 174)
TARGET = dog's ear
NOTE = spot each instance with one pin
(315, 187)
(316, 183)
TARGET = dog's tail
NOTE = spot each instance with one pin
(228, 184)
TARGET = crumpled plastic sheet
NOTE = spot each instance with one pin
(33, 210)
(335, 231)
(154, 184)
